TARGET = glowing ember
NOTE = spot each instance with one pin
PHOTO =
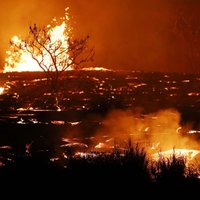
(57, 122)
(5, 147)
(102, 145)
(193, 132)
(96, 69)
(85, 154)
(74, 123)
(1, 90)
(23, 61)
(187, 153)
(75, 144)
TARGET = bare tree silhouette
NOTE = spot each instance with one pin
(54, 50)
(54, 56)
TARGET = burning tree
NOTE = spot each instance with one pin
(51, 49)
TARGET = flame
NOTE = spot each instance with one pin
(2, 90)
(187, 153)
(102, 145)
(96, 69)
(22, 61)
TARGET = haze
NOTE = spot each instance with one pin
(127, 34)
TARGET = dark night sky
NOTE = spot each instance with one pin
(127, 34)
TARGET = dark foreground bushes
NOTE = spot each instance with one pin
(130, 172)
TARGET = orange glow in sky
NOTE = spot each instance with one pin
(130, 34)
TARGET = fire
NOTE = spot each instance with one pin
(96, 69)
(23, 61)
(103, 146)
(187, 153)
(100, 145)
(2, 90)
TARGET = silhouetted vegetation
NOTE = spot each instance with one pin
(130, 169)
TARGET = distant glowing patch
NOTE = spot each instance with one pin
(96, 69)
(1, 90)
(187, 153)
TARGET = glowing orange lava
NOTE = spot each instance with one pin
(1, 90)
(189, 154)
(96, 69)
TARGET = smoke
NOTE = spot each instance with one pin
(156, 132)
(127, 34)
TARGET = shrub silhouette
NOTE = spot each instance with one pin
(171, 169)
